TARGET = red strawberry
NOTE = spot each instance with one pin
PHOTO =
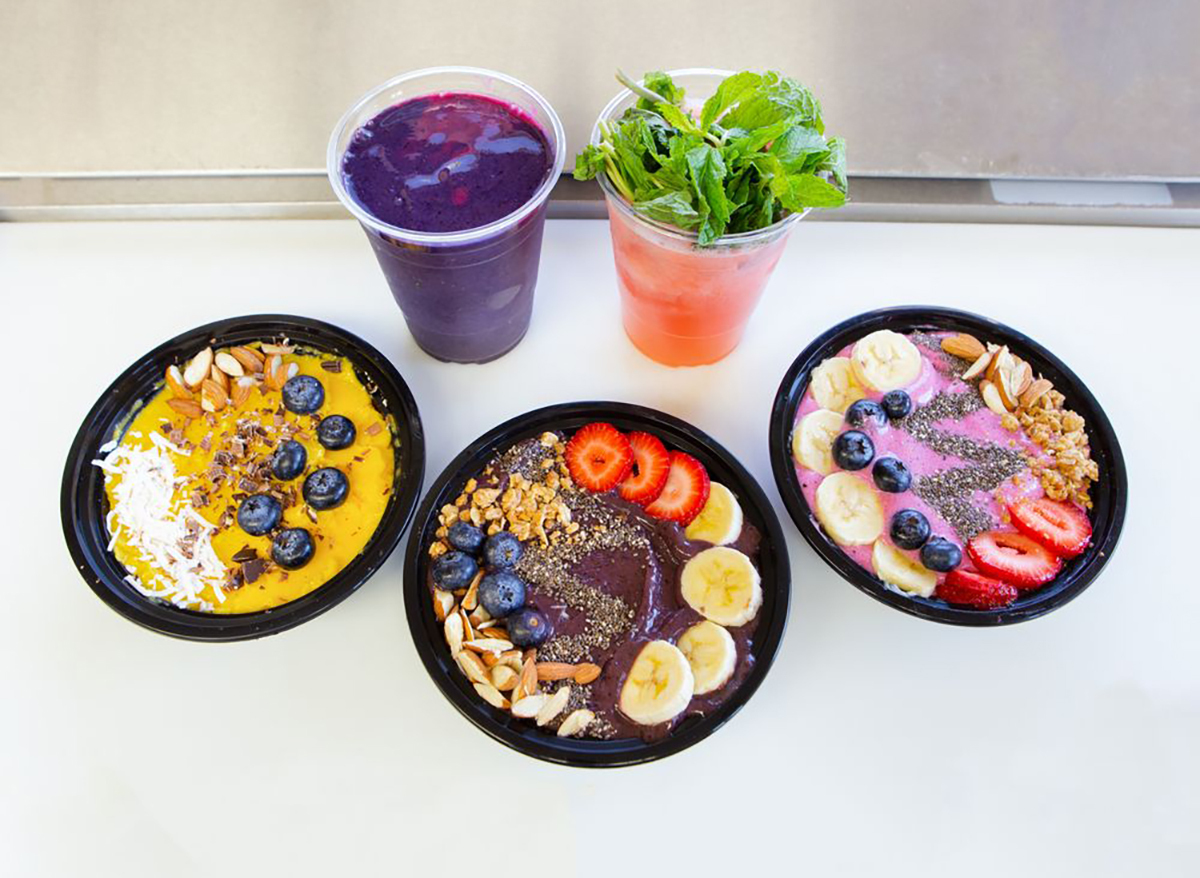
(1013, 557)
(651, 464)
(1063, 528)
(972, 590)
(598, 457)
(685, 493)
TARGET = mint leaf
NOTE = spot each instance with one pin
(589, 163)
(673, 208)
(794, 147)
(835, 163)
(799, 191)
(728, 93)
(774, 101)
(661, 84)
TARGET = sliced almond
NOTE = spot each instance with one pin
(189, 408)
(479, 615)
(251, 360)
(576, 722)
(277, 348)
(229, 364)
(1002, 359)
(491, 659)
(503, 677)
(977, 368)
(242, 388)
(198, 368)
(1036, 391)
(274, 374)
(512, 659)
(174, 379)
(1006, 383)
(453, 629)
(554, 705)
(443, 604)
(586, 673)
(528, 707)
(471, 598)
(213, 397)
(964, 346)
(1024, 377)
(488, 644)
(991, 397)
(293, 369)
(468, 631)
(529, 681)
(550, 671)
(491, 695)
(472, 666)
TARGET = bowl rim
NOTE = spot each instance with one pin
(82, 485)
(518, 735)
(1108, 516)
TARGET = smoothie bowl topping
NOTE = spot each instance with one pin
(251, 477)
(942, 464)
(597, 584)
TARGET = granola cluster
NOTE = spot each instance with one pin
(531, 508)
(1060, 433)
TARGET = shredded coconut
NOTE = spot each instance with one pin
(148, 517)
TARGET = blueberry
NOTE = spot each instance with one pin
(941, 555)
(897, 404)
(527, 628)
(465, 537)
(289, 460)
(865, 410)
(891, 475)
(501, 593)
(259, 514)
(336, 431)
(292, 547)
(910, 529)
(853, 450)
(502, 549)
(326, 488)
(303, 394)
(453, 570)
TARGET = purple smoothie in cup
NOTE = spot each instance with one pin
(451, 187)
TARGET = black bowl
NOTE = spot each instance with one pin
(520, 734)
(1109, 494)
(84, 503)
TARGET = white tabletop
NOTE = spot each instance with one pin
(878, 744)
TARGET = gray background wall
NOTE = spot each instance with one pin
(941, 88)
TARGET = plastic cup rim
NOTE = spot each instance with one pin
(333, 163)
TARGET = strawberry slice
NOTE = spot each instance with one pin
(598, 457)
(651, 464)
(1013, 557)
(1063, 528)
(972, 590)
(685, 493)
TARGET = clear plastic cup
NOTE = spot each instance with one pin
(682, 304)
(467, 296)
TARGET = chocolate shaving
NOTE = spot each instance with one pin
(245, 553)
(374, 429)
(248, 485)
(199, 499)
(251, 570)
(331, 365)
(206, 442)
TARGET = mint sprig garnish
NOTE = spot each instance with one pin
(756, 151)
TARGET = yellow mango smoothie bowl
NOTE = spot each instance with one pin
(243, 478)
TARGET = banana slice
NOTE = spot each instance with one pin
(812, 440)
(885, 360)
(722, 585)
(849, 510)
(659, 685)
(894, 567)
(834, 385)
(720, 521)
(711, 653)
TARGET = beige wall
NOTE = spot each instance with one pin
(1041, 88)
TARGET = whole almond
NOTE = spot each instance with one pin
(964, 346)
(586, 673)
(198, 368)
(251, 360)
(1036, 391)
(229, 364)
(174, 379)
(550, 671)
(189, 408)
